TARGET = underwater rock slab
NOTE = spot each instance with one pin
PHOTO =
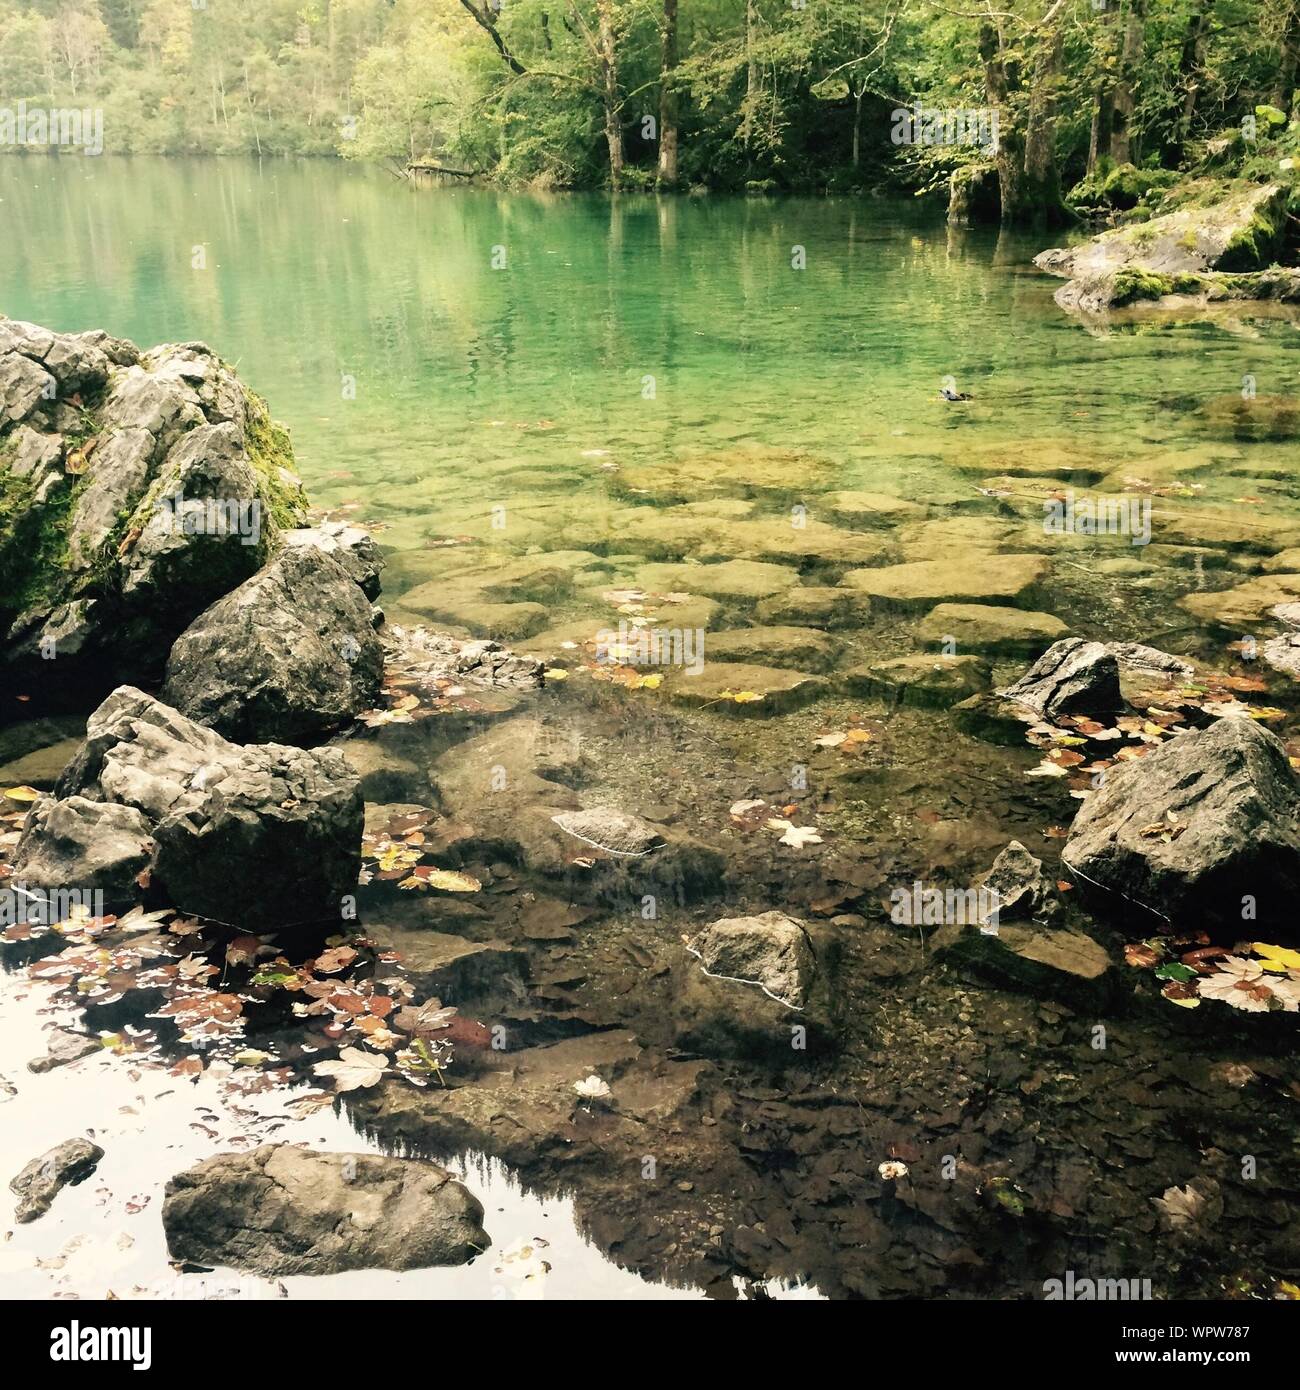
(987, 627)
(996, 578)
(921, 680)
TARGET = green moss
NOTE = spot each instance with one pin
(1120, 186)
(33, 544)
(1133, 284)
(270, 451)
(1254, 246)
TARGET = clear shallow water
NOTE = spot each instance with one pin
(316, 272)
(525, 388)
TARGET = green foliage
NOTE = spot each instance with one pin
(780, 94)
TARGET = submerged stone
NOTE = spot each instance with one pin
(803, 648)
(986, 627)
(731, 688)
(921, 680)
(998, 577)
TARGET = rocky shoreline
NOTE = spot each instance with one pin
(480, 953)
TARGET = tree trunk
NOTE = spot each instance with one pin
(1029, 182)
(668, 99)
(1190, 64)
(1041, 172)
(857, 126)
(609, 72)
(1101, 134)
(1121, 131)
(751, 75)
(1284, 87)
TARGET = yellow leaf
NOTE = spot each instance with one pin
(1277, 957)
(742, 697)
(451, 882)
(23, 794)
(651, 682)
(555, 673)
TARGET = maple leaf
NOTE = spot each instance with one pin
(795, 835)
(354, 1070)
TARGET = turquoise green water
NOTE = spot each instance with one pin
(475, 384)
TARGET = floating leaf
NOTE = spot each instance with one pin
(23, 794)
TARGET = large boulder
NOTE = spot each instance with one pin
(288, 657)
(1071, 677)
(1203, 828)
(259, 837)
(136, 488)
(1236, 227)
(283, 1210)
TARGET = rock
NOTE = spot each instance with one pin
(755, 986)
(63, 1047)
(994, 719)
(434, 655)
(1283, 654)
(1018, 880)
(41, 1181)
(1237, 609)
(180, 487)
(1285, 561)
(921, 680)
(985, 627)
(450, 968)
(816, 606)
(611, 830)
(507, 787)
(281, 1210)
(1166, 255)
(352, 547)
(288, 657)
(1071, 677)
(258, 837)
(1056, 963)
(88, 845)
(1253, 419)
(803, 648)
(869, 508)
(1138, 659)
(1232, 791)
(1003, 577)
(737, 581)
(718, 684)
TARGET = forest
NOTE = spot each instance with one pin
(753, 95)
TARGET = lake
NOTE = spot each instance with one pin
(722, 419)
